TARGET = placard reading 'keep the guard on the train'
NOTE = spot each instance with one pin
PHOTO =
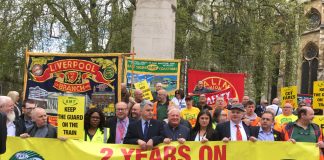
(70, 123)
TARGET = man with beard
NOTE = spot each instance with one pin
(15, 125)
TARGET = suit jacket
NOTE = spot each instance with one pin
(135, 132)
(255, 133)
(224, 130)
(3, 132)
(111, 124)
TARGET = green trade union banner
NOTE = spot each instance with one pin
(154, 71)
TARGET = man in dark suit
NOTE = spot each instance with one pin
(3, 132)
(118, 125)
(235, 129)
(146, 132)
(265, 132)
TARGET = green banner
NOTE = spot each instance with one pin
(166, 72)
(153, 66)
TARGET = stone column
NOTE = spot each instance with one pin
(153, 29)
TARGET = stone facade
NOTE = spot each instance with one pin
(153, 29)
(311, 41)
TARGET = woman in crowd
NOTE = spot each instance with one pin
(203, 130)
(179, 99)
(94, 121)
(219, 116)
(14, 95)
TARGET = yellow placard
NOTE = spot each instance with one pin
(53, 149)
(70, 120)
(143, 85)
(319, 120)
(289, 95)
(318, 95)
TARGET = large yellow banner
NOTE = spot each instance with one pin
(289, 95)
(70, 121)
(318, 95)
(53, 149)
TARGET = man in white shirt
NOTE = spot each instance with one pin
(235, 129)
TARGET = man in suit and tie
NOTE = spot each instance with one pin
(146, 132)
(235, 129)
(118, 125)
(265, 132)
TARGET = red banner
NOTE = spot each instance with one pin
(229, 85)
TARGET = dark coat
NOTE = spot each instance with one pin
(111, 123)
(135, 132)
(210, 135)
(20, 126)
(175, 133)
(255, 133)
(224, 130)
(3, 132)
(52, 132)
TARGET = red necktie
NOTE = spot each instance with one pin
(238, 133)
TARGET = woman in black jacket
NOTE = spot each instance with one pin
(203, 130)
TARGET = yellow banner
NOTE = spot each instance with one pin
(319, 120)
(143, 85)
(318, 95)
(53, 149)
(289, 95)
(70, 121)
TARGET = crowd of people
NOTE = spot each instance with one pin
(162, 120)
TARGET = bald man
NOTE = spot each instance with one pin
(161, 106)
(41, 128)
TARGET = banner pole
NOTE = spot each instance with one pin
(133, 66)
(185, 76)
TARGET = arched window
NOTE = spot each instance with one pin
(314, 19)
(309, 67)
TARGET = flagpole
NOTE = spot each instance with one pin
(133, 66)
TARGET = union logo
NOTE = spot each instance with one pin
(37, 70)
(26, 155)
(72, 76)
(109, 72)
(220, 84)
(152, 67)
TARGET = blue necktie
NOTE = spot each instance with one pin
(146, 130)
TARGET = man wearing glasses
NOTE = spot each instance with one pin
(27, 107)
(118, 124)
(265, 132)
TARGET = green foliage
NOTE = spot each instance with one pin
(241, 36)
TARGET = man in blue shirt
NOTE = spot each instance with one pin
(265, 132)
